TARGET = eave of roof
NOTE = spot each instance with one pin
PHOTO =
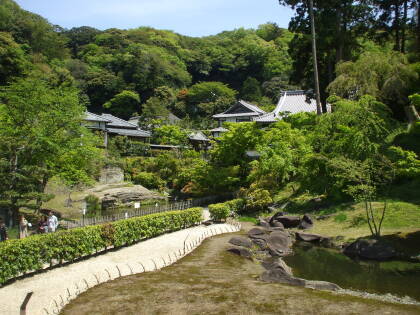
(93, 117)
(129, 132)
(118, 122)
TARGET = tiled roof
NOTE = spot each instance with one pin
(219, 129)
(291, 102)
(253, 110)
(118, 122)
(93, 117)
(129, 132)
(198, 136)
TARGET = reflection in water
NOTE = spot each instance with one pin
(395, 277)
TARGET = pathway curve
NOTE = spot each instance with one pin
(55, 288)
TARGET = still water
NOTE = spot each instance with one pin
(396, 277)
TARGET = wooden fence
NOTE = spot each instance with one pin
(145, 210)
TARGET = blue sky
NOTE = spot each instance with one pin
(188, 17)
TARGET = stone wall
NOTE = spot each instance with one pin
(111, 175)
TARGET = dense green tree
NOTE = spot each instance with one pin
(209, 97)
(13, 62)
(124, 104)
(170, 134)
(40, 137)
(251, 90)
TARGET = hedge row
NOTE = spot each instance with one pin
(221, 211)
(33, 253)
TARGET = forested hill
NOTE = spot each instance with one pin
(123, 69)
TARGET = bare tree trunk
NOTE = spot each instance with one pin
(315, 59)
(412, 114)
(397, 27)
(404, 26)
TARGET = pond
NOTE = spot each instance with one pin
(213, 281)
(396, 277)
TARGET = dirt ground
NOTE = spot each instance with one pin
(214, 281)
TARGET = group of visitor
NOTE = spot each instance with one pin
(47, 224)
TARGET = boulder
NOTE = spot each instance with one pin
(289, 221)
(240, 241)
(278, 243)
(374, 249)
(277, 215)
(277, 224)
(208, 222)
(306, 222)
(255, 232)
(281, 276)
(240, 251)
(308, 237)
(321, 285)
(270, 264)
(263, 223)
(260, 242)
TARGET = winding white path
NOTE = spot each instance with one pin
(55, 288)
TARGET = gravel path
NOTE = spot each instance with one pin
(55, 288)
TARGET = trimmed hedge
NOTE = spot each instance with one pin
(33, 253)
(221, 211)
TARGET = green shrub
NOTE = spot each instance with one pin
(30, 254)
(148, 180)
(93, 206)
(236, 205)
(219, 211)
(358, 220)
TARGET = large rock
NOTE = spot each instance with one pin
(306, 222)
(321, 285)
(111, 175)
(373, 249)
(279, 243)
(263, 223)
(260, 242)
(240, 241)
(278, 263)
(308, 237)
(277, 224)
(281, 276)
(256, 232)
(289, 221)
(277, 215)
(240, 251)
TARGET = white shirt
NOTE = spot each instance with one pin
(52, 223)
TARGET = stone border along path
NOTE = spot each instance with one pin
(57, 287)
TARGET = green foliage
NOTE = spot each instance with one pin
(170, 134)
(93, 206)
(219, 211)
(257, 199)
(210, 97)
(13, 62)
(148, 180)
(124, 104)
(407, 164)
(236, 205)
(251, 90)
(32, 253)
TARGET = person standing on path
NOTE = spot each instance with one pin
(52, 222)
(23, 227)
(3, 231)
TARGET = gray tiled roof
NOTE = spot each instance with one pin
(118, 122)
(219, 129)
(93, 117)
(129, 132)
(252, 110)
(198, 136)
(291, 102)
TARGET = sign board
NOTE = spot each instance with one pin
(136, 205)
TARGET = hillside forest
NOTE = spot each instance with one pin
(366, 150)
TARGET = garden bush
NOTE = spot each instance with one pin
(236, 205)
(148, 180)
(219, 211)
(30, 254)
